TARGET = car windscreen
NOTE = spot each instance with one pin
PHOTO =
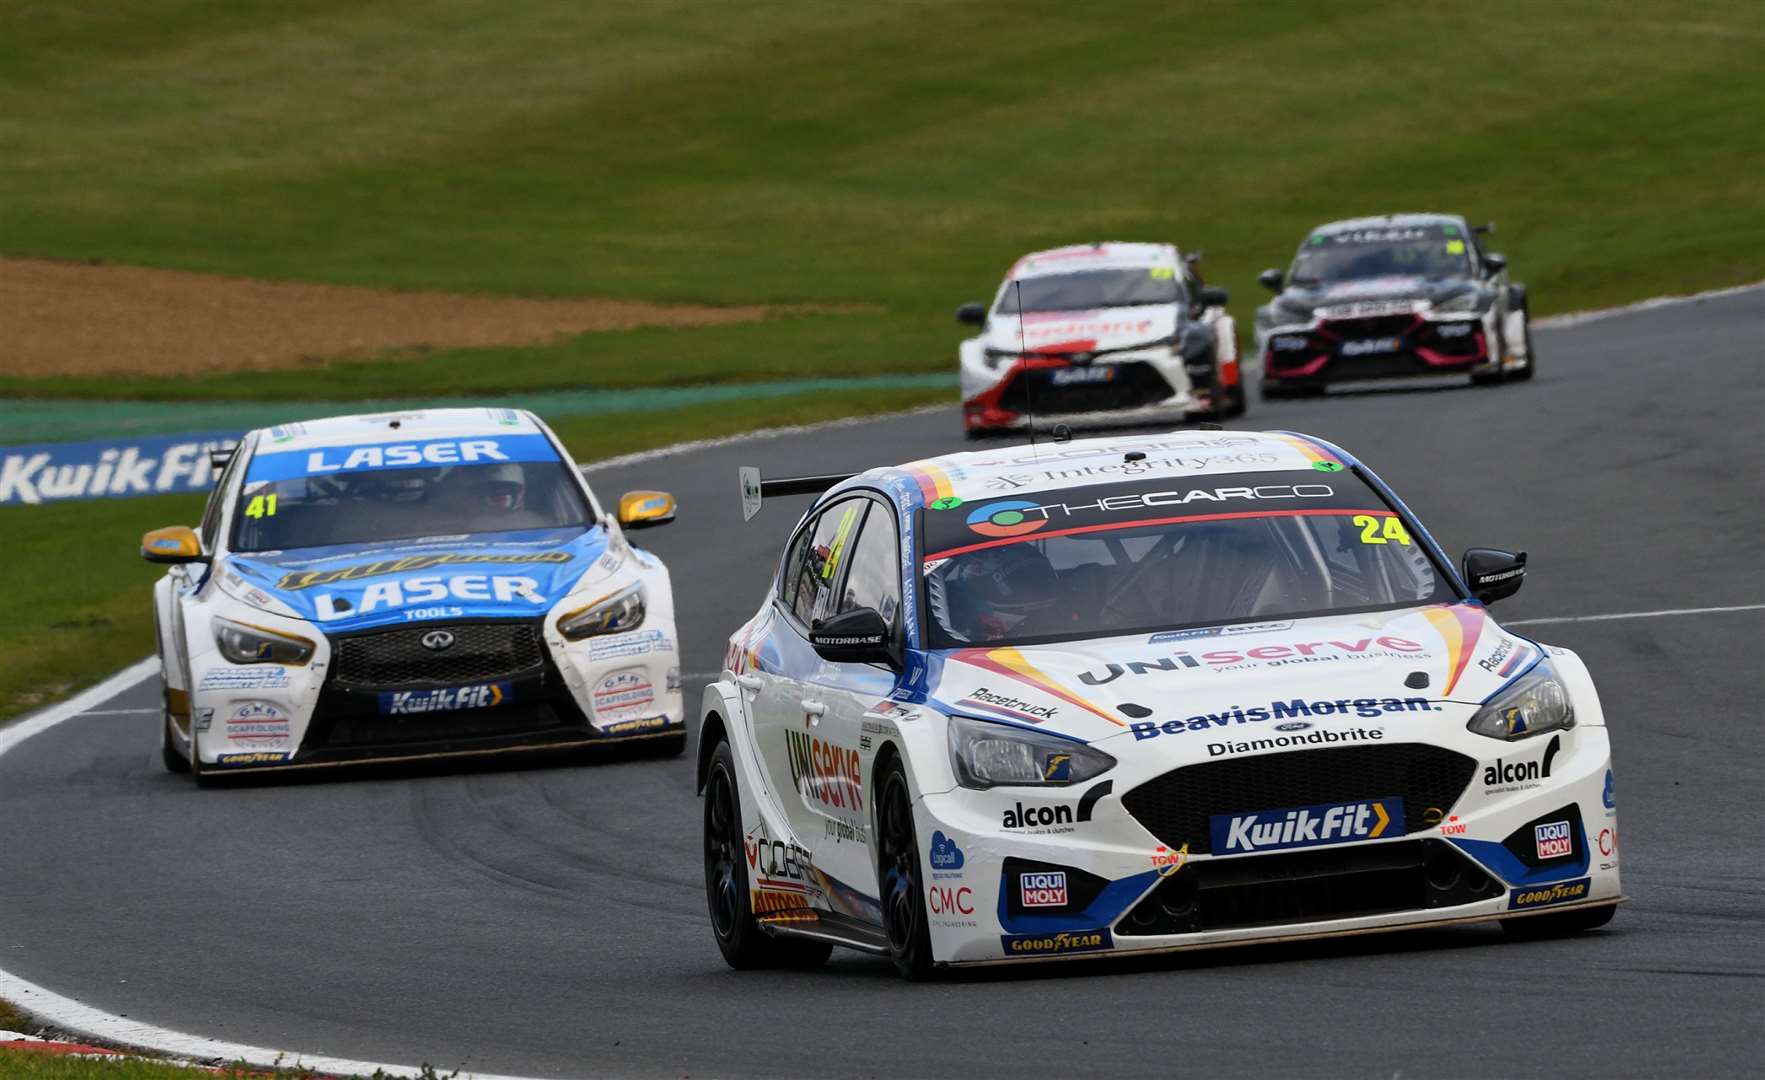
(370, 494)
(1084, 290)
(1160, 555)
(1419, 251)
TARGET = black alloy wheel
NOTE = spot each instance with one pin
(903, 889)
(741, 940)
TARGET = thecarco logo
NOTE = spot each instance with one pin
(1004, 518)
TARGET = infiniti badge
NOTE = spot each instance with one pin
(438, 640)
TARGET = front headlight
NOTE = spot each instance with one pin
(614, 613)
(1537, 703)
(1474, 302)
(987, 754)
(994, 357)
(244, 644)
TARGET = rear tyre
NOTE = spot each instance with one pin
(903, 891)
(740, 939)
(1538, 927)
(168, 747)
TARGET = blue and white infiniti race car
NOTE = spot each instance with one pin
(409, 586)
(1136, 695)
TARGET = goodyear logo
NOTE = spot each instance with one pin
(1307, 826)
(1072, 941)
(258, 757)
(1562, 892)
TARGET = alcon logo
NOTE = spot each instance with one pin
(1516, 772)
(1025, 817)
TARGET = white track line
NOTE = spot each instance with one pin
(750, 436)
(1576, 318)
(74, 1016)
(1636, 614)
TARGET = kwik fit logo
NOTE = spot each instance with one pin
(1306, 826)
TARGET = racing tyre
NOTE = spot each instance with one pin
(168, 749)
(1531, 354)
(1538, 927)
(903, 889)
(739, 937)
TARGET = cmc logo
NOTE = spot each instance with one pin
(1004, 518)
(947, 901)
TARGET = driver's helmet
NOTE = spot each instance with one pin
(499, 488)
(394, 485)
(995, 589)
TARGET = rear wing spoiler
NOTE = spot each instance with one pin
(755, 489)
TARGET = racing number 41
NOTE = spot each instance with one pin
(265, 506)
(1372, 532)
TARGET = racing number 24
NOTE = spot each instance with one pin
(1372, 532)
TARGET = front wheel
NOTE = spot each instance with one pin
(168, 748)
(1539, 927)
(903, 899)
(740, 939)
(1531, 352)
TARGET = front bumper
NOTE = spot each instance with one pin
(1122, 389)
(1378, 347)
(379, 695)
(1085, 880)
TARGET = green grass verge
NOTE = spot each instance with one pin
(78, 594)
(25, 1065)
(881, 154)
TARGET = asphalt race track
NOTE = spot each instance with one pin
(551, 921)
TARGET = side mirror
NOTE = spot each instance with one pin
(646, 509)
(1214, 296)
(1493, 574)
(972, 314)
(1494, 263)
(859, 636)
(172, 544)
(1271, 280)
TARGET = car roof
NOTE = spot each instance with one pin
(1110, 255)
(1389, 221)
(1017, 471)
(400, 427)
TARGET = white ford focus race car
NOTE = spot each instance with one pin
(409, 586)
(1137, 695)
(1099, 334)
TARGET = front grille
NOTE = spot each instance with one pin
(1175, 807)
(398, 658)
(1310, 886)
(1134, 384)
(1376, 326)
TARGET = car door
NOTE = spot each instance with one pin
(785, 712)
(843, 694)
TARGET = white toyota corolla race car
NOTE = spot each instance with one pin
(404, 586)
(1108, 333)
(1136, 695)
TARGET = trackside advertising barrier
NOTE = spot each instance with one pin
(109, 468)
